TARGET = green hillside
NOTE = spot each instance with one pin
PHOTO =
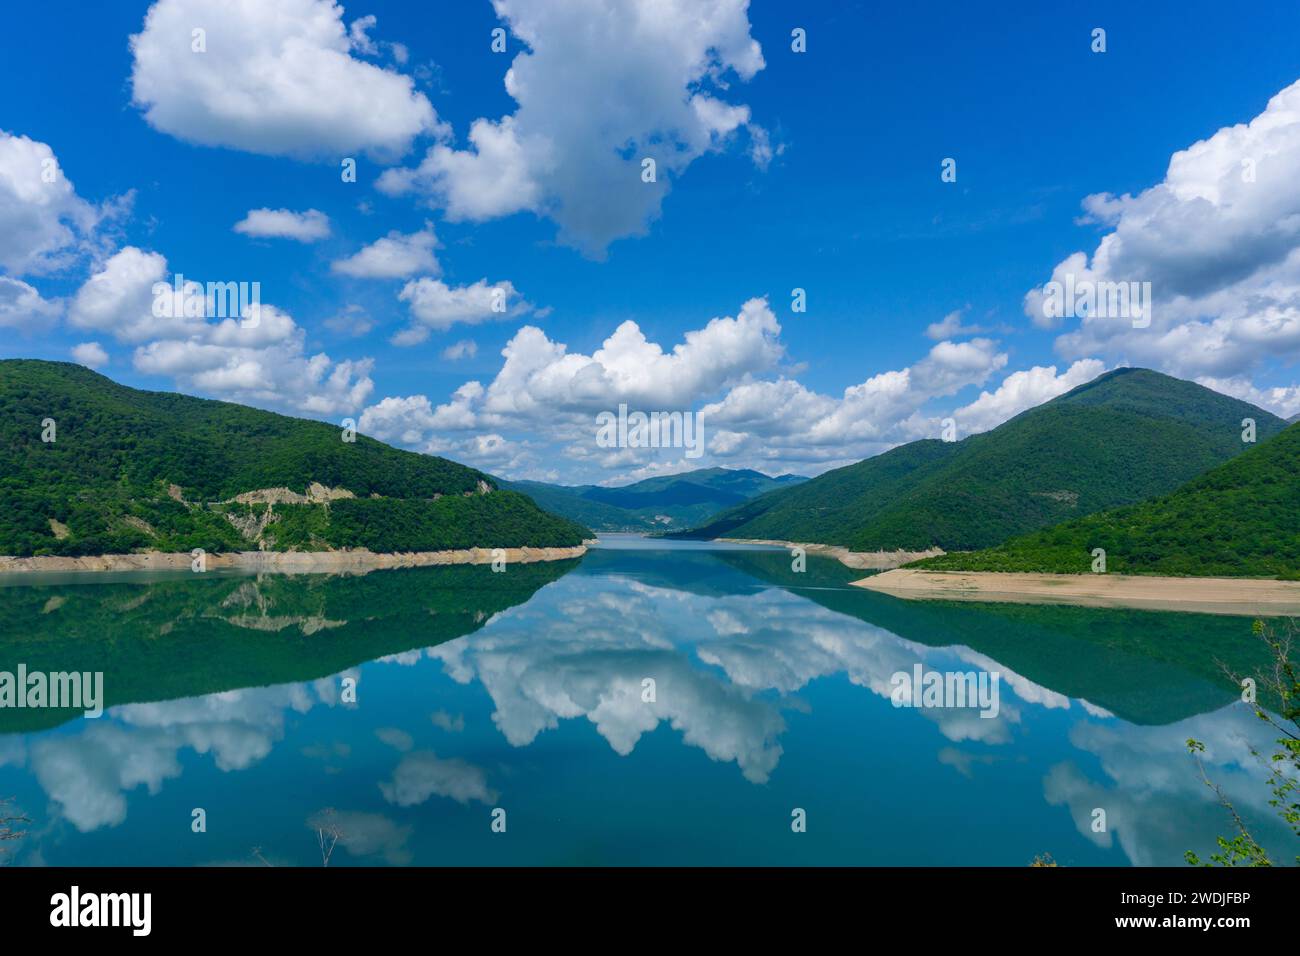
(131, 470)
(1240, 519)
(1127, 435)
(665, 502)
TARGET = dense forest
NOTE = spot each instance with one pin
(1128, 435)
(126, 470)
(1240, 519)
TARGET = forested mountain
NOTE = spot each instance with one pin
(1241, 518)
(125, 470)
(1128, 435)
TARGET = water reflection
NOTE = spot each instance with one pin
(474, 690)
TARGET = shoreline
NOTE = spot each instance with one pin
(858, 560)
(1257, 597)
(359, 560)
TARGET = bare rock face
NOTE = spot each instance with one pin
(316, 494)
(252, 526)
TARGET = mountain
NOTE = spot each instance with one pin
(129, 470)
(660, 503)
(1239, 519)
(1127, 435)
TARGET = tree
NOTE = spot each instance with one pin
(10, 824)
(1282, 683)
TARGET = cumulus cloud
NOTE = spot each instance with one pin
(465, 348)
(541, 379)
(351, 321)
(90, 354)
(280, 79)
(553, 395)
(118, 298)
(22, 308)
(784, 421)
(1021, 391)
(1281, 400)
(952, 326)
(1219, 241)
(395, 256)
(310, 226)
(258, 357)
(436, 306)
(43, 222)
(660, 64)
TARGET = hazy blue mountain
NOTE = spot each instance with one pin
(666, 502)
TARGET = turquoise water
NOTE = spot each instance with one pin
(525, 692)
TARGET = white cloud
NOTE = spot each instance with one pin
(352, 321)
(951, 326)
(119, 299)
(262, 362)
(278, 79)
(553, 395)
(310, 226)
(266, 366)
(403, 420)
(436, 306)
(786, 422)
(22, 307)
(395, 256)
(43, 223)
(90, 354)
(1219, 241)
(1021, 391)
(465, 348)
(657, 65)
(1281, 400)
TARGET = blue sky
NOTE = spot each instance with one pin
(818, 170)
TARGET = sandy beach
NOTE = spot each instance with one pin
(287, 562)
(861, 560)
(1240, 596)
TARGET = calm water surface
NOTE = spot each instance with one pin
(524, 691)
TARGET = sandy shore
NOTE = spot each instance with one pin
(288, 562)
(1244, 596)
(861, 560)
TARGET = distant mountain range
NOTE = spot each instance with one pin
(1239, 519)
(1128, 435)
(94, 467)
(666, 502)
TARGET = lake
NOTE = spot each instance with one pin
(650, 703)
